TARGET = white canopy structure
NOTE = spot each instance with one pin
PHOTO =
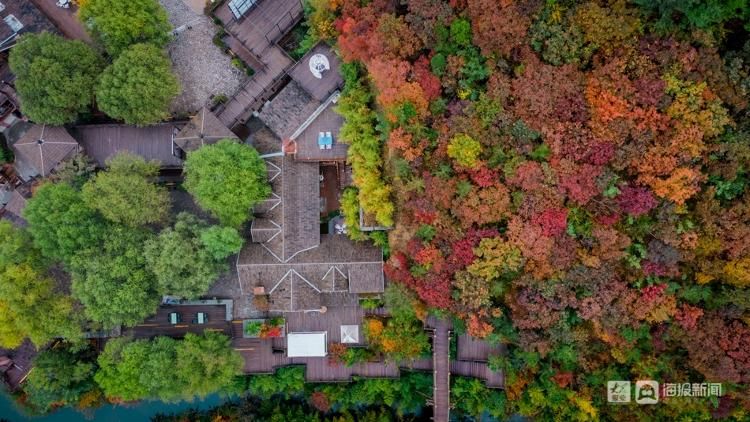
(306, 345)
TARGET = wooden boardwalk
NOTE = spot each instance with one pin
(441, 371)
(254, 39)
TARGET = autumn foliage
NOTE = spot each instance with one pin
(570, 178)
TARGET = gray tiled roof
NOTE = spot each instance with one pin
(288, 110)
(44, 147)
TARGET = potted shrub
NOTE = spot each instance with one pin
(253, 328)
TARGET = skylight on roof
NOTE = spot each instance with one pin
(239, 7)
(15, 24)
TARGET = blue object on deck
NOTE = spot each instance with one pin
(325, 140)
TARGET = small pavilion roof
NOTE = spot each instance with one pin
(16, 204)
(44, 147)
(203, 129)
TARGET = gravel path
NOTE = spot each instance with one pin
(203, 69)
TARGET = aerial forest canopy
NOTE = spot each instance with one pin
(568, 178)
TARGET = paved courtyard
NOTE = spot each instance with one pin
(203, 69)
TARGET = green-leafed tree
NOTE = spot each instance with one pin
(31, 307)
(138, 87)
(206, 363)
(121, 365)
(119, 24)
(161, 382)
(182, 263)
(74, 171)
(55, 77)
(60, 223)
(61, 376)
(168, 369)
(16, 246)
(289, 382)
(112, 280)
(221, 242)
(227, 179)
(126, 193)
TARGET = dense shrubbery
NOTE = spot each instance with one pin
(365, 148)
(405, 395)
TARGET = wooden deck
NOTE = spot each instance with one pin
(253, 38)
(159, 325)
(264, 356)
(330, 189)
(475, 350)
(331, 80)
(479, 370)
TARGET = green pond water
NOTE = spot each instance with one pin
(140, 412)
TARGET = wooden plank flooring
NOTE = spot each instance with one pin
(441, 358)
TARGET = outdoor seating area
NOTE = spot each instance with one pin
(200, 318)
(178, 319)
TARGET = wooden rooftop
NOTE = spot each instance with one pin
(16, 204)
(204, 128)
(101, 142)
(288, 110)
